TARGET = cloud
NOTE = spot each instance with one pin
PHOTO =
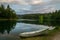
(33, 6)
(55, 1)
(34, 1)
(45, 6)
(21, 2)
(25, 1)
(43, 9)
(6, 0)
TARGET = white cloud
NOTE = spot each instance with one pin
(22, 2)
(6, 0)
(35, 1)
(33, 5)
(25, 1)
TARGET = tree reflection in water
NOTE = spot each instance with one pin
(7, 25)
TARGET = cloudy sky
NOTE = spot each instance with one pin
(32, 6)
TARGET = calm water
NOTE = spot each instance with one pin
(15, 27)
(11, 29)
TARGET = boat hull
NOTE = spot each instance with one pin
(34, 33)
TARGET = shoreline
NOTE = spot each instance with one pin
(8, 19)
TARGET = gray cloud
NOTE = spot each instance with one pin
(33, 6)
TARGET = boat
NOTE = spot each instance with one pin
(33, 33)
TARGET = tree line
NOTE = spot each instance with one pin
(45, 18)
(7, 12)
(50, 18)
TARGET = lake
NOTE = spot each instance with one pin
(10, 30)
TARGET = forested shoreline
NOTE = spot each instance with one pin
(45, 18)
(7, 12)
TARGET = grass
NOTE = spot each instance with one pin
(47, 36)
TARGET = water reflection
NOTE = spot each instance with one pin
(50, 23)
(55, 24)
(29, 22)
(7, 26)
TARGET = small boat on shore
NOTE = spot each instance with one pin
(33, 33)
